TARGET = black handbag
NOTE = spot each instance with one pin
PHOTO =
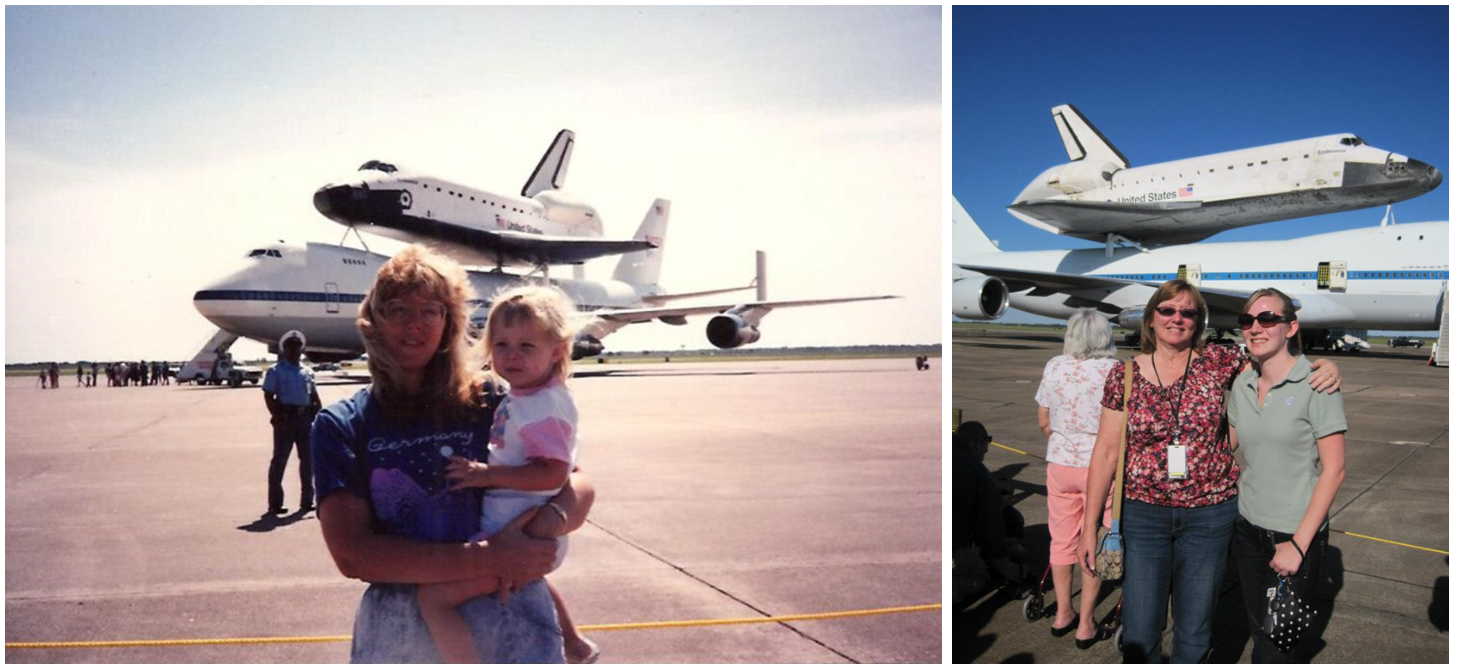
(1288, 614)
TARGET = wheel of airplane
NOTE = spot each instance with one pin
(404, 199)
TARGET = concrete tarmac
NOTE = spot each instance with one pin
(1380, 603)
(725, 490)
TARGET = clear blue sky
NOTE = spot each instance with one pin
(1164, 84)
(1170, 83)
(149, 148)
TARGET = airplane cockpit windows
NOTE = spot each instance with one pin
(1353, 141)
(378, 165)
(265, 253)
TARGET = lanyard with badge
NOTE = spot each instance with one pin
(1175, 453)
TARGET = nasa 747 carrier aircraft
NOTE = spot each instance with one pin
(1100, 196)
(317, 289)
(1389, 277)
(545, 226)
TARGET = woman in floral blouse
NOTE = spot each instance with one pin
(1180, 477)
(1068, 412)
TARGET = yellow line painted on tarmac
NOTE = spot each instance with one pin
(590, 627)
(1370, 538)
(178, 642)
(759, 620)
(1018, 451)
(1383, 540)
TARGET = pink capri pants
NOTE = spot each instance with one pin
(1065, 512)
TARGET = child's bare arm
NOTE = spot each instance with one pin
(535, 475)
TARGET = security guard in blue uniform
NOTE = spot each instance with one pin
(292, 399)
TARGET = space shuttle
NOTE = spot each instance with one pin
(543, 226)
(1100, 196)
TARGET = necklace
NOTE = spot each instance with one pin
(1179, 399)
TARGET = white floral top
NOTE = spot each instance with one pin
(1071, 391)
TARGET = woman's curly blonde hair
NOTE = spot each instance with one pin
(449, 389)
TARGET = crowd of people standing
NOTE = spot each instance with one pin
(118, 374)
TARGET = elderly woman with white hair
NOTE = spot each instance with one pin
(1069, 413)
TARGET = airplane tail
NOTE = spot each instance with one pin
(551, 171)
(641, 268)
(969, 235)
(1082, 140)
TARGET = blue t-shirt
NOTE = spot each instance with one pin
(292, 383)
(400, 470)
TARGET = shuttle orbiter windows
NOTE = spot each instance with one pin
(377, 165)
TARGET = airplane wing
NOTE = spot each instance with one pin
(1150, 223)
(605, 321)
(1217, 300)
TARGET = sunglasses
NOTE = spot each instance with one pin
(1165, 311)
(1267, 320)
(401, 312)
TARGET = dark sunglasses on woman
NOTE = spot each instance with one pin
(1166, 311)
(1267, 320)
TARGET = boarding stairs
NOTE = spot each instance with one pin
(1440, 348)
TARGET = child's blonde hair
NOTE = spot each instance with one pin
(547, 307)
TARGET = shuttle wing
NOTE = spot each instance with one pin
(545, 249)
(603, 322)
(1150, 223)
(1218, 300)
(530, 248)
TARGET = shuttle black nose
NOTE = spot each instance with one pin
(1433, 177)
(1425, 175)
(340, 202)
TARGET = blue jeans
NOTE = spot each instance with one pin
(1179, 550)
(388, 628)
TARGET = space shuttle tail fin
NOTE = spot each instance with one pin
(1082, 139)
(969, 235)
(642, 268)
(551, 171)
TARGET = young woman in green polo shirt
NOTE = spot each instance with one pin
(1293, 442)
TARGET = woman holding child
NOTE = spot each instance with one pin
(386, 508)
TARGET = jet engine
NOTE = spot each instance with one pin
(977, 296)
(1131, 318)
(729, 330)
(585, 346)
(566, 209)
(1081, 176)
